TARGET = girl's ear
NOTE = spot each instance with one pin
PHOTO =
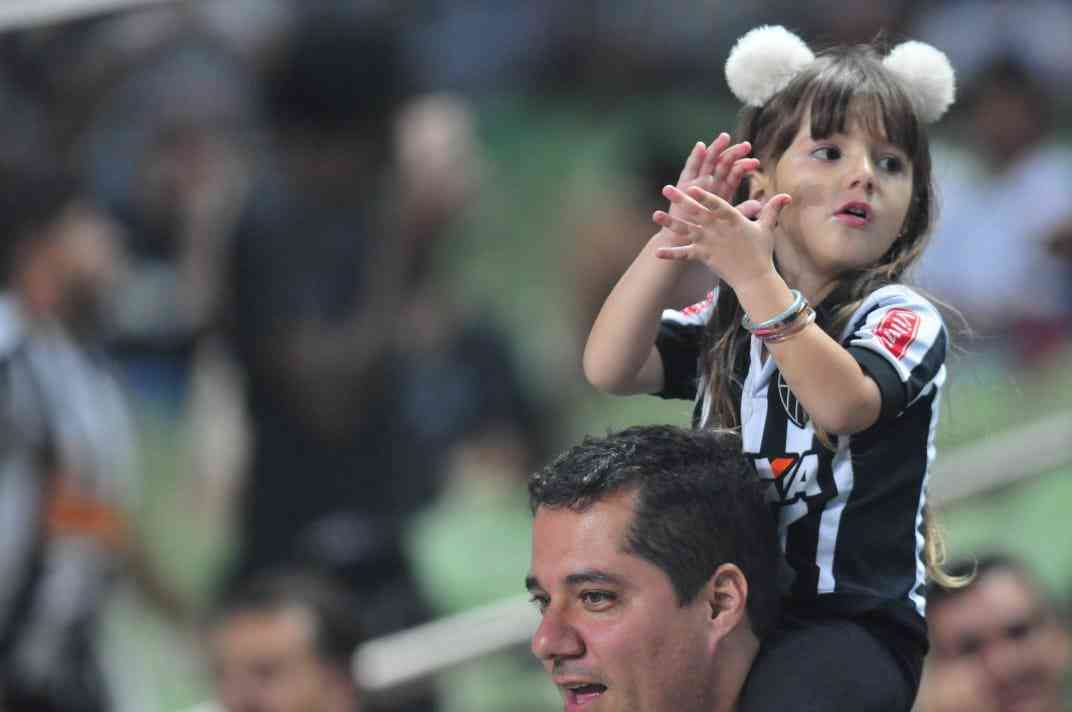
(758, 186)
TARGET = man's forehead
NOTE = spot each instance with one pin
(588, 543)
(993, 601)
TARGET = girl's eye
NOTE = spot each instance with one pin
(597, 600)
(827, 153)
(891, 164)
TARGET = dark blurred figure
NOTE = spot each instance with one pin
(316, 281)
(359, 371)
(284, 643)
(69, 470)
(998, 644)
(167, 147)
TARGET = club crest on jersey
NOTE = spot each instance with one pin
(792, 406)
(897, 330)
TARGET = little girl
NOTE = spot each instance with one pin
(809, 345)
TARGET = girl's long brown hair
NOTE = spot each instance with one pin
(842, 85)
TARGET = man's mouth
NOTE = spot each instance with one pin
(580, 695)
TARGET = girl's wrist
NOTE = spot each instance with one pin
(764, 297)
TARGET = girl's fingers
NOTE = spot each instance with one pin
(740, 167)
(729, 157)
(768, 218)
(685, 201)
(717, 147)
(673, 224)
(693, 163)
(750, 209)
(711, 204)
(683, 252)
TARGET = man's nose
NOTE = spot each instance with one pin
(1002, 659)
(555, 637)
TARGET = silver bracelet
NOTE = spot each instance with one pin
(792, 328)
(778, 321)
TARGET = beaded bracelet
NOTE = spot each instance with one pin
(779, 321)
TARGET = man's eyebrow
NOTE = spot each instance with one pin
(581, 577)
(592, 576)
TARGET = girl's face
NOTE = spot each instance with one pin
(851, 193)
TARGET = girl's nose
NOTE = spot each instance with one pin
(862, 174)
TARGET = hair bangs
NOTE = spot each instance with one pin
(849, 88)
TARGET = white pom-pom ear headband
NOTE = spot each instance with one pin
(765, 60)
(927, 76)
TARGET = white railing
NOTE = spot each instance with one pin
(16, 14)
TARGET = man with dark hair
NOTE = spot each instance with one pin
(284, 643)
(654, 566)
(997, 644)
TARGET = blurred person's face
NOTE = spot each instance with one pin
(1006, 124)
(48, 266)
(264, 661)
(94, 260)
(1002, 628)
(614, 637)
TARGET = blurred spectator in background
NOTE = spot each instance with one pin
(483, 515)
(73, 496)
(976, 32)
(316, 273)
(167, 145)
(1004, 204)
(360, 372)
(284, 643)
(998, 644)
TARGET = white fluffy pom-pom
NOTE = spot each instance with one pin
(927, 76)
(763, 62)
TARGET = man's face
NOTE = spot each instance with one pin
(613, 637)
(1002, 629)
(264, 661)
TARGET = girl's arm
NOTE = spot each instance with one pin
(620, 356)
(835, 391)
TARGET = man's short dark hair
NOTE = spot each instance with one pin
(337, 631)
(699, 504)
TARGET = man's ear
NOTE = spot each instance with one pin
(726, 595)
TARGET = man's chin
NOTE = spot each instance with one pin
(1027, 698)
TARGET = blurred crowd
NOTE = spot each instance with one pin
(280, 226)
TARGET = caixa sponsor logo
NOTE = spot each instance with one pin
(897, 330)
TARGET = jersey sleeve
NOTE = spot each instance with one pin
(680, 344)
(899, 339)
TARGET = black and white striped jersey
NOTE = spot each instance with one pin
(850, 520)
(67, 479)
